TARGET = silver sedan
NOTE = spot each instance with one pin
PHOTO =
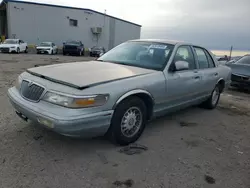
(118, 93)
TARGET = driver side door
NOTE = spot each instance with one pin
(22, 45)
(183, 86)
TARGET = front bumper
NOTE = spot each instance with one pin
(71, 51)
(42, 51)
(68, 122)
(8, 50)
(243, 85)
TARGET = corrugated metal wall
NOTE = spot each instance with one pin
(37, 23)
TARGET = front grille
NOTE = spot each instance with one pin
(239, 78)
(31, 91)
(70, 47)
(4, 49)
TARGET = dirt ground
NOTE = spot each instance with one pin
(188, 149)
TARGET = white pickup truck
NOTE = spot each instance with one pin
(13, 45)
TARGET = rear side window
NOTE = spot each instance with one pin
(210, 60)
(202, 58)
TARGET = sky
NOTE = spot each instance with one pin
(215, 24)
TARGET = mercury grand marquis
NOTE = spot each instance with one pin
(119, 92)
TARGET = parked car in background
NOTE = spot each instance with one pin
(233, 60)
(96, 51)
(241, 73)
(46, 48)
(120, 91)
(13, 45)
(73, 47)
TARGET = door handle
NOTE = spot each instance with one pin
(196, 77)
(216, 74)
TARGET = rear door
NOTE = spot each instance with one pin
(183, 86)
(207, 68)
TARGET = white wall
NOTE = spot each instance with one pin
(125, 31)
(36, 23)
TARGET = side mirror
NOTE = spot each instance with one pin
(101, 54)
(63, 43)
(181, 65)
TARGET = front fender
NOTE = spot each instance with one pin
(130, 93)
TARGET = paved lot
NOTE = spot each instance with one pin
(191, 148)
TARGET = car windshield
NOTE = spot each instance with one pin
(140, 54)
(244, 60)
(45, 44)
(10, 41)
(73, 42)
(96, 48)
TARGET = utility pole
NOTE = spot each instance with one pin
(231, 49)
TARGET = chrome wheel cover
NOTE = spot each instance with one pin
(215, 95)
(131, 122)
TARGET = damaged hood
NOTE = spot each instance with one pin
(81, 75)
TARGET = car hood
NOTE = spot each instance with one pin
(8, 45)
(82, 75)
(43, 47)
(240, 69)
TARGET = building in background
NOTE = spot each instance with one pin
(36, 22)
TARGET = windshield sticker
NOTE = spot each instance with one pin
(158, 46)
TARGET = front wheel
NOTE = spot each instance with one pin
(128, 122)
(18, 50)
(213, 100)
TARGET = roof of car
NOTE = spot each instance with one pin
(174, 42)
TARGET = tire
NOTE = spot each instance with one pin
(128, 109)
(64, 53)
(26, 50)
(213, 100)
(52, 52)
(18, 50)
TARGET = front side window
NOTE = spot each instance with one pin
(245, 60)
(184, 53)
(202, 58)
(140, 54)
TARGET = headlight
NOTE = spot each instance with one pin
(18, 82)
(75, 102)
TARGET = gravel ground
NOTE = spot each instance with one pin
(190, 148)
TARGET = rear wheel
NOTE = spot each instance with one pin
(26, 50)
(128, 122)
(213, 100)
